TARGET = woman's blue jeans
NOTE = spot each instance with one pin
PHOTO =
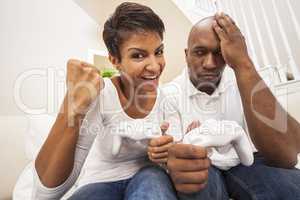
(150, 183)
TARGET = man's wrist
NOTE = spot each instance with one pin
(246, 68)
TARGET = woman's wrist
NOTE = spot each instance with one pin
(70, 117)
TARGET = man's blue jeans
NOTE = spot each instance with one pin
(150, 183)
(257, 182)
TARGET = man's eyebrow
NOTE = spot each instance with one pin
(199, 48)
(215, 50)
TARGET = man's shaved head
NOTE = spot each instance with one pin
(202, 25)
(203, 56)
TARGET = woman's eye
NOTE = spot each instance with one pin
(160, 52)
(137, 56)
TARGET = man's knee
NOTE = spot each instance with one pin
(263, 182)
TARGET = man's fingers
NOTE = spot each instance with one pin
(158, 155)
(190, 188)
(228, 18)
(165, 139)
(219, 31)
(160, 149)
(194, 124)
(190, 177)
(187, 151)
(159, 161)
(188, 165)
(226, 23)
(223, 22)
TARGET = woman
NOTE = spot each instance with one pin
(93, 110)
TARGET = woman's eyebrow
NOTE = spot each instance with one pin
(160, 47)
(136, 49)
(142, 50)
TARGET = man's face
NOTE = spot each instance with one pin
(203, 57)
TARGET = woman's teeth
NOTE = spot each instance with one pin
(150, 78)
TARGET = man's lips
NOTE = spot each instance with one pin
(210, 75)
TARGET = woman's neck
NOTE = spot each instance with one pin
(136, 103)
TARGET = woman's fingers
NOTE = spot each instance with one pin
(163, 140)
(164, 127)
(160, 149)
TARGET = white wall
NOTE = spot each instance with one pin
(34, 35)
(238, 8)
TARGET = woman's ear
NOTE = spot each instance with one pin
(114, 61)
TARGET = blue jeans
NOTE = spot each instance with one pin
(214, 190)
(150, 183)
(257, 182)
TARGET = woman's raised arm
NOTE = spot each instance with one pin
(57, 166)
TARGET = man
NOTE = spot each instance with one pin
(213, 43)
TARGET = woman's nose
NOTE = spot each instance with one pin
(154, 65)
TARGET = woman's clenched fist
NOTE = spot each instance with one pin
(84, 83)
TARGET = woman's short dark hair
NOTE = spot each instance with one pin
(129, 17)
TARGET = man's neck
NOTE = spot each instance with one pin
(210, 88)
(207, 90)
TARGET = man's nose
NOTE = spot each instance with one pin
(210, 62)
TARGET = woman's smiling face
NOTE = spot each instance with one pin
(142, 60)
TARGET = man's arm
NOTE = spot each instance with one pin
(276, 135)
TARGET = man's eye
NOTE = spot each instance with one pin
(137, 56)
(218, 53)
(199, 53)
(160, 52)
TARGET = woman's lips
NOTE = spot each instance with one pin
(150, 80)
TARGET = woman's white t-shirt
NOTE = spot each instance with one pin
(95, 152)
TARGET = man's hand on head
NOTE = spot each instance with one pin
(233, 45)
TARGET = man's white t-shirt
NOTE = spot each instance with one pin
(223, 104)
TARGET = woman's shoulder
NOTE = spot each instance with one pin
(108, 97)
(109, 87)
